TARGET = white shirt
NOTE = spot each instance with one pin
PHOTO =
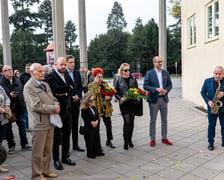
(159, 76)
(61, 76)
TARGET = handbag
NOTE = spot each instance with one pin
(82, 130)
(3, 154)
(139, 108)
(10, 115)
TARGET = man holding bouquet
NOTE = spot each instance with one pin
(103, 95)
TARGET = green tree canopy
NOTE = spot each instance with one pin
(45, 14)
(70, 35)
(116, 19)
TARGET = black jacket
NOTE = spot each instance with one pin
(77, 83)
(122, 87)
(88, 116)
(24, 78)
(58, 86)
(17, 87)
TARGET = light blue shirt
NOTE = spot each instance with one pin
(159, 76)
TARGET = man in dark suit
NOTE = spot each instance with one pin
(208, 92)
(76, 78)
(62, 88)
(158, 83)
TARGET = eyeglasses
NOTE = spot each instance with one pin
(159, 62)
(91, 100)
(7, 70)
(126, 70)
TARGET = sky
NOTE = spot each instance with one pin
(97, 12)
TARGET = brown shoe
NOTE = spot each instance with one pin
(51, 175)
(3, 170)
(43, 178)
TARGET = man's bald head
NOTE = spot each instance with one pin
(61, 65)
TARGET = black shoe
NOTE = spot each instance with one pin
(100, 154)
(223, 144)
(125, 146)
(58, 165)
(131, 144)
(27, 147)
(91, 156)
(68, 161)
(77, 148)
(109, 143)
(211, 147)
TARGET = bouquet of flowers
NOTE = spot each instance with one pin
(136, 94)
(108, 91)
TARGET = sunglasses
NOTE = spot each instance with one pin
(91, 100)
(126, 70)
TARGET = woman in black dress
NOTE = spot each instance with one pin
(91, 125)
(127, 107)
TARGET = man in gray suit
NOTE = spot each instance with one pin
(157, 81)
(40, 103)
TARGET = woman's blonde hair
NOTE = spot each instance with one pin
(85, 100)
(122, 67)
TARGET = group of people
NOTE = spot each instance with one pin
(42, 93)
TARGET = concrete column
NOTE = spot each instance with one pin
(162, 33)
(58, 28)
(82, 34)
(7, 57)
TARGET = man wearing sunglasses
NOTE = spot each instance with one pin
(158, 83)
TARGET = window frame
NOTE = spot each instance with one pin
(192, 31)
(212, 21)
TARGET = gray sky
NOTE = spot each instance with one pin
(97, 13)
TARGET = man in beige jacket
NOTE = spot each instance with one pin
(40, 104)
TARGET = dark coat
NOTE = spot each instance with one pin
(121, 88)
(77, 83)
(88, 116)
(151, 82)
(24, 78)
(208, 92)
(58, 86)
(17, 87)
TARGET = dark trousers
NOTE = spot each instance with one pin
(22, 132)
(92, 139)
(108, 124)
(212, 119)
(3, 129)
(62, 136)
(75, 123)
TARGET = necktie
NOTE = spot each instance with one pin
(43, 87)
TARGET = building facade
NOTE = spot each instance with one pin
(202, 44)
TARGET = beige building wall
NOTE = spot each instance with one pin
(199, 61)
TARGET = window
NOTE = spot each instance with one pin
(212, 20)
(192, 31)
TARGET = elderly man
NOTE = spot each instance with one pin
(159, 83)
(14, 90)
(213, 91)
(63, 89)
(40, 104)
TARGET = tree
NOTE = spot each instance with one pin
(45, 14)
(108, 51)
(174, 38)
(70, 36)
(143, 45)
(23, 19)
(116, 19)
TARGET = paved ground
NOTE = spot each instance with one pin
(187, 159)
